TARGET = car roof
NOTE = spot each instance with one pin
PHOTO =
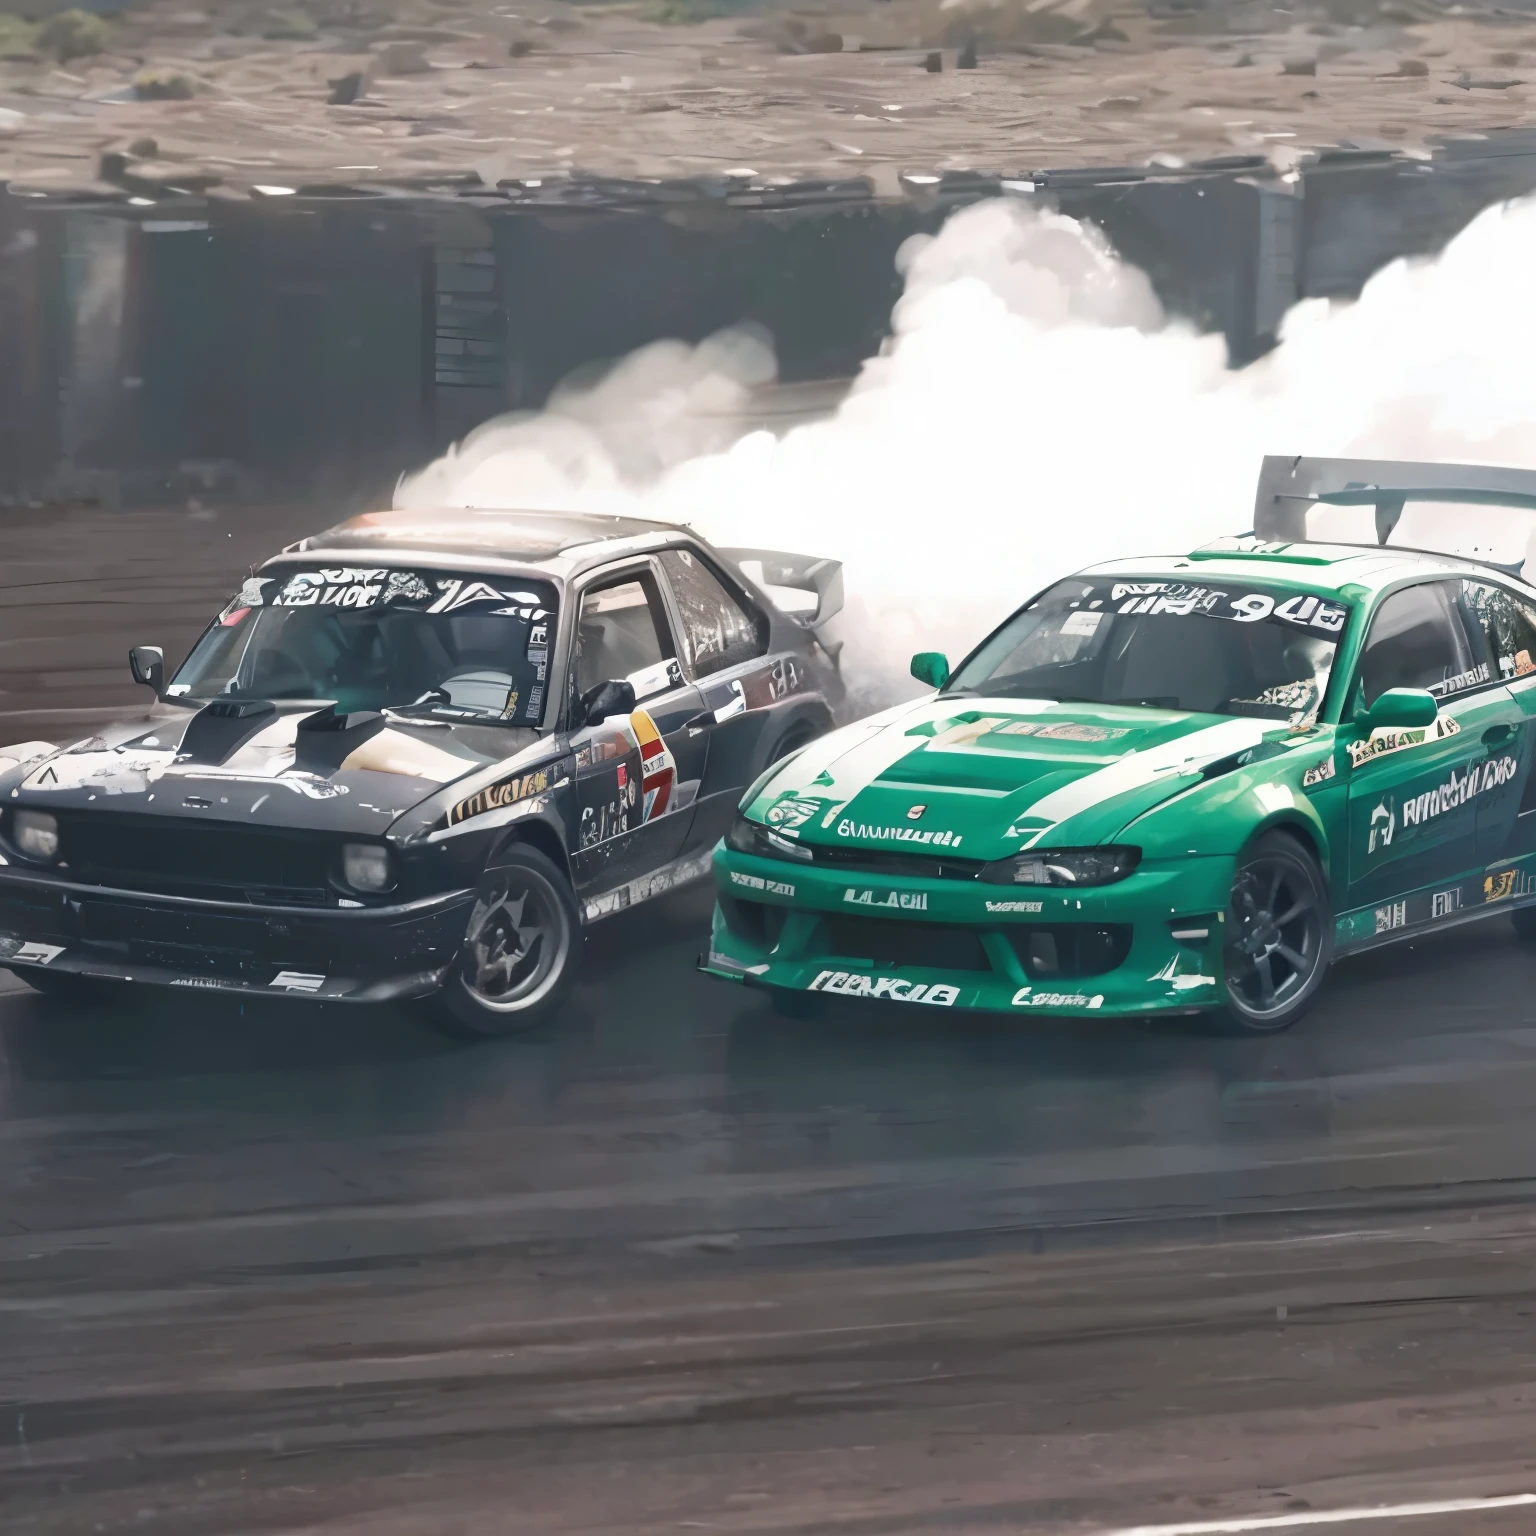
(478, 533)
(1313, 567)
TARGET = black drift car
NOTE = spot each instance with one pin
(411, 758)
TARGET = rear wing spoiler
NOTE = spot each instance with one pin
(800, 573)
(1448, 522)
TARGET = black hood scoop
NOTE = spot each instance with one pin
(215, 732)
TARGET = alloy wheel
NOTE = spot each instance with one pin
(516, 944)
(1276, 935)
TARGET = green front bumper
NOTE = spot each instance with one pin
(782, 924)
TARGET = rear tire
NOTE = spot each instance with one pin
(1278, 937)
(520, 953)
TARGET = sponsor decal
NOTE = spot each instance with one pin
(758, 883)
(1318, 773)
(297, 981)
(495, 796)
(915, 812)
(877, 834)
(1393, 915)
(965, 731)
(26, 952)
(658, 773)
(1082, 623)
(1027, 997)
(1458, 789)
(1444, 903)
(1500, 884)
(1383, 825)
(736, 704)
(853, 984)
(206, 982)
(904, 901)
(1302, 611)
(1065, 730)
(789, 815)
(1381, 742)
(652, 680)
(1015, 906)
(1468, 679)
(783, 679)
(1524, 666)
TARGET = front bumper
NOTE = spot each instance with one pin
(782, 924)
(352, 955)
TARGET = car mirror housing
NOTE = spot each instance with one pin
(615, 697)
(1402, 709)
(931, 667)
(147, 663)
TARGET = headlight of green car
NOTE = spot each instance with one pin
(1075, 867)
(751, 837)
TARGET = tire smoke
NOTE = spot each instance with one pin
(1033, 411)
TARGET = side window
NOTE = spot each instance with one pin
(1509, 624)
(717, 631)
(1417, 640)
(621, 629)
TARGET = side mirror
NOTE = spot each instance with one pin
(147, 663)
(931, 667)
(1401, 709)
(615, 697)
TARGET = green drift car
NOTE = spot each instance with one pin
(1173, 785)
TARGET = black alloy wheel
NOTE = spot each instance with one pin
(1278, 936)
(520, 950)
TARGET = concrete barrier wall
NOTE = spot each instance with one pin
(323, 343)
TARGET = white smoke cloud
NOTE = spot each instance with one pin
(1034, 411)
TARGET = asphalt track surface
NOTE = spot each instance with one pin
(680, 1265)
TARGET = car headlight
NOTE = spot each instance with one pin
(36, 833)
(745, 836)
(367, 867)
(1075, 867)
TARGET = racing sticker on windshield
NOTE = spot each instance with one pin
(1473, 677)
(1303, 610)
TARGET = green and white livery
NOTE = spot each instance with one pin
(1175, 784)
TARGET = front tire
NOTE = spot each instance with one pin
(520, 952)
(1278, 936)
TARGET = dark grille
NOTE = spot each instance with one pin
(756, 921)
(913, 866)
(212, 862)
(1069, 949)
(886, 942)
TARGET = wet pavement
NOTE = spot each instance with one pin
(679, 1264)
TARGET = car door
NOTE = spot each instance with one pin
(1413, 795)
(1506, 806)
(636, 774)
(725, 647)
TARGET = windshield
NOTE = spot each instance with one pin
(1220, 650)
(451, 645)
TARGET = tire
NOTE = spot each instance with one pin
(520, 953)
(1279, 937)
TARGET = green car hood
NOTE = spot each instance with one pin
(983, 778)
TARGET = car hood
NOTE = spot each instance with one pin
(983, 778)
(287, 767)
